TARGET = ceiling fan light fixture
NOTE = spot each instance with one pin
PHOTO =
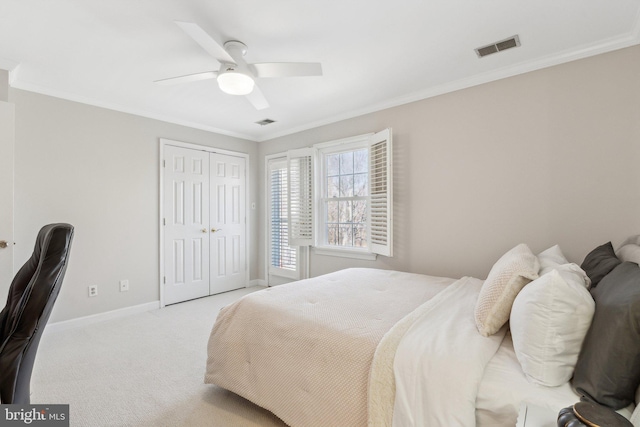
(235, 83)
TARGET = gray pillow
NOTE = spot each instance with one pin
(599, 262)
(608, 368)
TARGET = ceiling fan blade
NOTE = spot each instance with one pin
(205, 41)
(286, 69)
(188, 78)
(257, 99)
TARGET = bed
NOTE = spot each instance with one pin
(376, 347)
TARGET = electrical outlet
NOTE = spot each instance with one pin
(124, 285)
(93, 290)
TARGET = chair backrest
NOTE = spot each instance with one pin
(31, 296)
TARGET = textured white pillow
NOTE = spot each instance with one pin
(550, 259)
(507, 277)
(549, 320)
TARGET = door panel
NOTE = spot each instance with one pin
(228, 253)
(186, 224)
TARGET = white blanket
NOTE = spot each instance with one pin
(439, 362)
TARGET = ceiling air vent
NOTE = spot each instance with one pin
(265, 122)
(498, 46)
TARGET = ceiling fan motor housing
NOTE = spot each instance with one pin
(235, 47)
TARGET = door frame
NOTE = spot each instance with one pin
(162, 142)
(7, 163)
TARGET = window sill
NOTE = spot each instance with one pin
(282, 272)
(345, 253)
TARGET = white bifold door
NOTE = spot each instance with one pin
(204, 197)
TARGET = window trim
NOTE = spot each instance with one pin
(345, 253)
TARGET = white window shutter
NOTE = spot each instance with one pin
(300, 178)
(381, 187)
(283, 257)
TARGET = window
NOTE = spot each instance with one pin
(283, 259)
(352, 213)
(344, 196)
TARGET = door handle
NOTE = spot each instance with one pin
(3, 244)
(204, 230)
(213, 230)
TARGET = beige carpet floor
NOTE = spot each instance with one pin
(142, 370)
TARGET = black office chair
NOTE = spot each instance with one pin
(31, 297)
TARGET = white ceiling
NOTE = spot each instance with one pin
(375, 53)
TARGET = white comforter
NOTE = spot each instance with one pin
(304, 350)
(438, 360)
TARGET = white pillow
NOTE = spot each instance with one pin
(573, 273)
(553, 258)
(632, 240)
(550, 259)
(549, 321)
(507, 277)
(629, 252)
(635, 416)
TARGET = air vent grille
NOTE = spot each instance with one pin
(498, 46)
(265, 122)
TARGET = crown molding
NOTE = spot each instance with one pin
(122, 109)
(630, 39)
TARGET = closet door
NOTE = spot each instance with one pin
(186, 224)
(228, 223)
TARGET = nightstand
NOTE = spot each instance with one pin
(536, 416)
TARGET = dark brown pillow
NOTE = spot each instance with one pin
(608, 368)
(599, 262)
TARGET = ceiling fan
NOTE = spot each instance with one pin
(234, 75)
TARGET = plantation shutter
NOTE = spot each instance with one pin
(282, 255)
(300, 177)
(381, 188)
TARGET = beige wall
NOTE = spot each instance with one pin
(98, 170)
(546, 157)
(4, 85)
(552, 156)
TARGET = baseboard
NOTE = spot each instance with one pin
(101, 317)
(257, 282)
